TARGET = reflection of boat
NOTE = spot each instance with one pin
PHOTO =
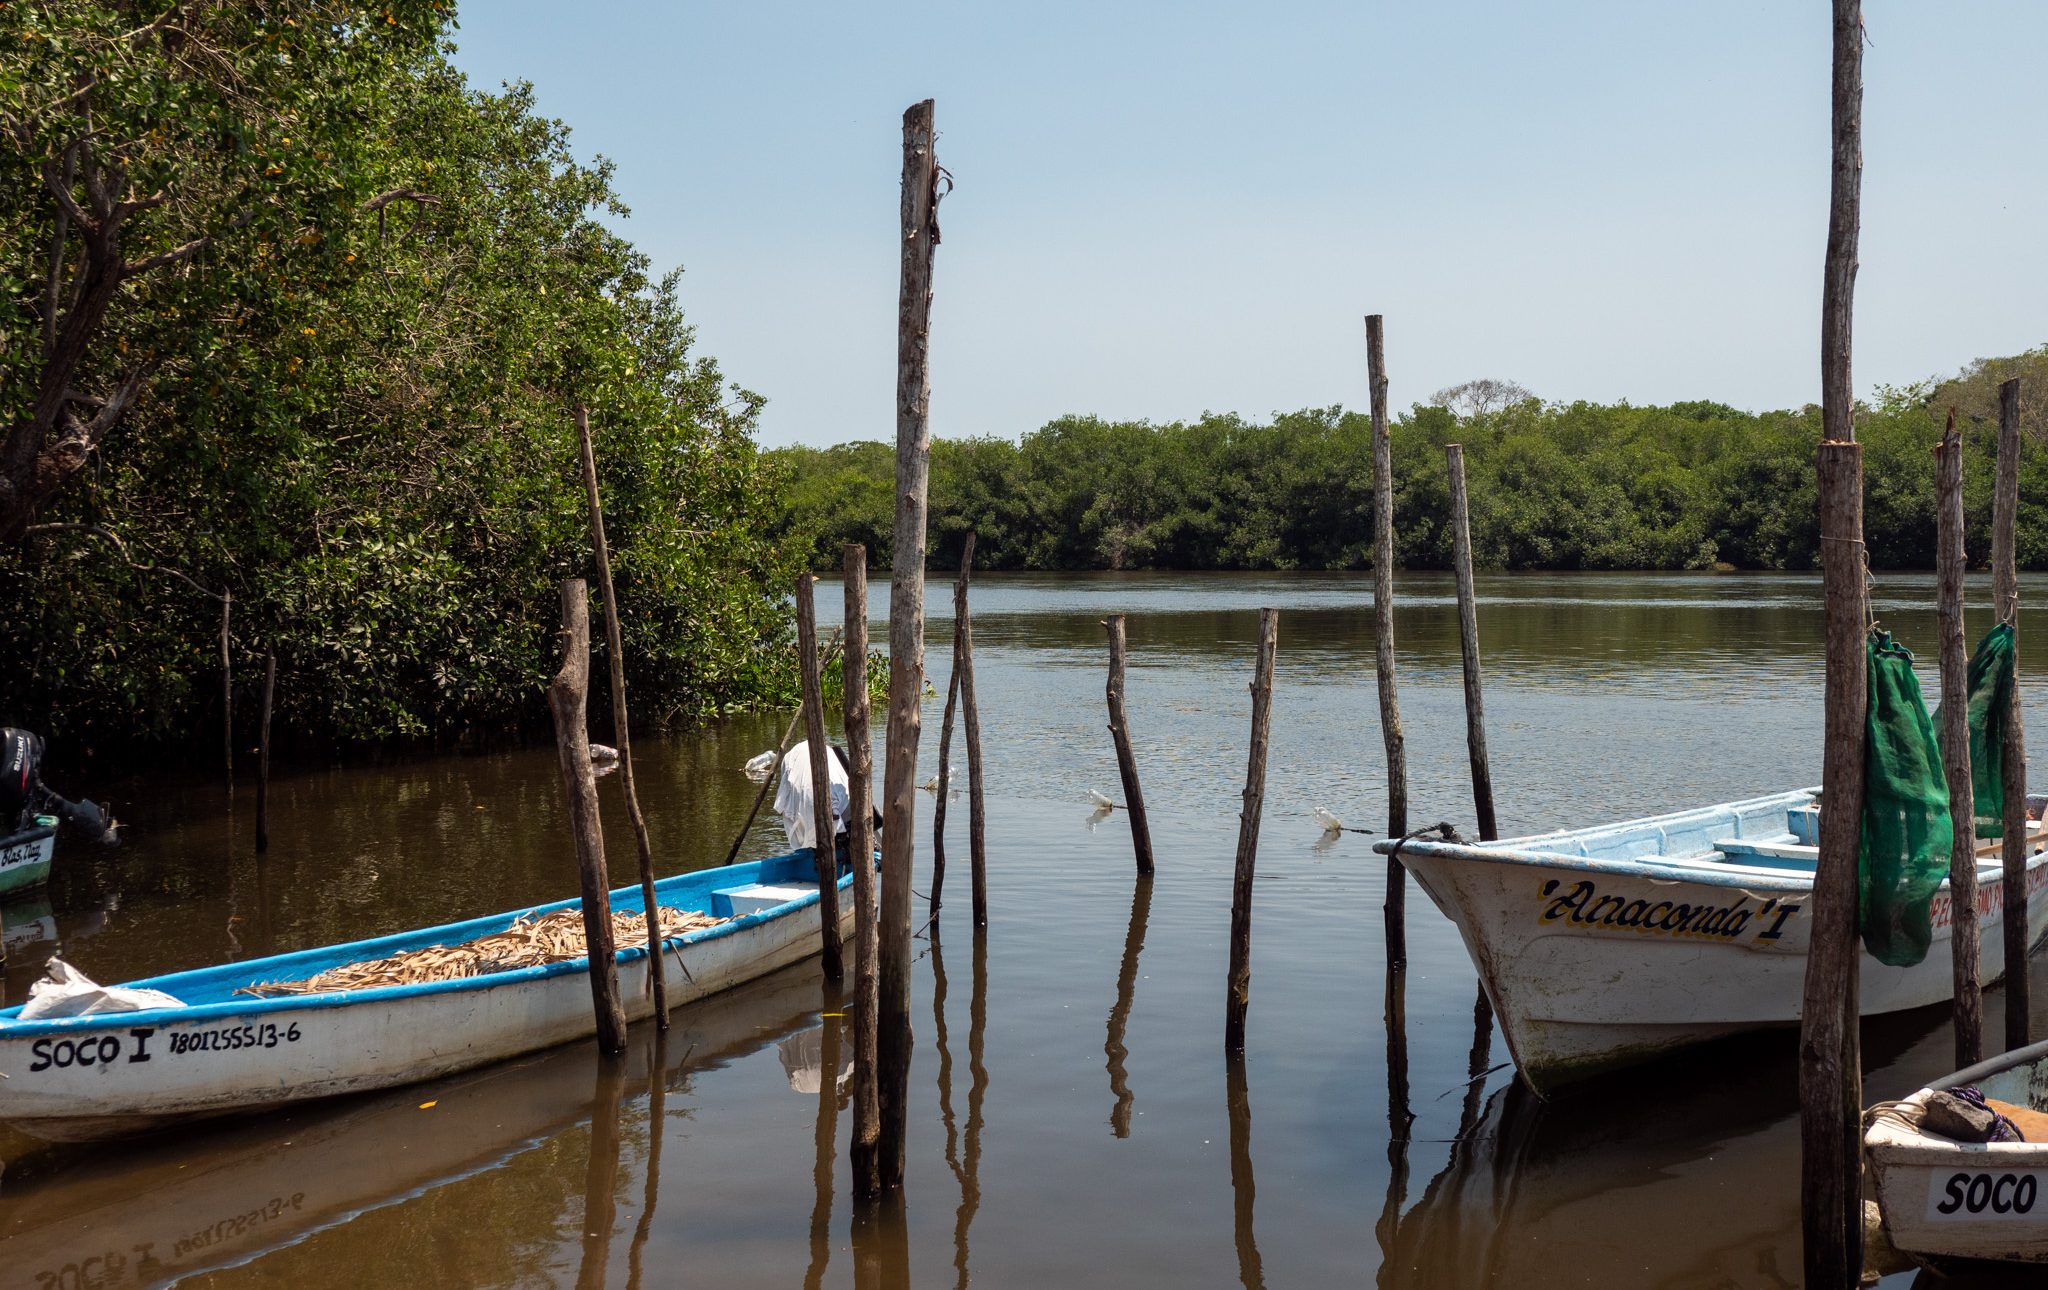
(25, 856)
(1953, 1204)
(1606, 946)
(24, 922)
(159, 1211)
(227, 1051)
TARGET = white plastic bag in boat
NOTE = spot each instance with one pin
(68, 992)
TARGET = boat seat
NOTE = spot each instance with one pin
(1768, 855)
(738, 902)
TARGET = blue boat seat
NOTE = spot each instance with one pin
(1775, 854)
(738, 902)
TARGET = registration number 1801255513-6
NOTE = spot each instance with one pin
(139, 1044)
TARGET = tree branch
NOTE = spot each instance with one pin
(114, 540)
(381, 200)
(172, 256)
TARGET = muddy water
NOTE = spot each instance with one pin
(1073, 1122)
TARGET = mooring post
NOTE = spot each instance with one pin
(616, 656)
(1240, 991)
(227, 693)
(1383, 638)
(2005, 592)
(1468, 644)
(568, 696)
(970, 714)
(822, 833)
(775, 767)
(860, 844)
(919, 234)
(1955, 744)
(945, 779)
(263, 756)
(1126, 763)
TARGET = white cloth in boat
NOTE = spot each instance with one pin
(68, 992)
(793, 800)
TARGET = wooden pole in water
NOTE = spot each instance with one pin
(1126, 763)
(775, 767)
(920, 230)
(1955, 745)
(945, 779)
(2005, 590)
(1383, 638)
(263, 756)
(657, 972)
(1240, 991)
(860, 844)
(227, 692)
(1468, 643)
(970, 713)
(568, 695)
(823, 840)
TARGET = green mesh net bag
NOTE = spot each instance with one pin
(1907, 832)
(1990, 708)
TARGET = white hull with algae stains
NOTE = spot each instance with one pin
(1604, 947)
(226, 1051)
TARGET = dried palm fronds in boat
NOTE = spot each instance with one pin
(528, 942)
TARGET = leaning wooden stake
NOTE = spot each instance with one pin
(263, 756)
(1955, 745)
(860, 844)
(616, 656)
(1126, 763)
(1383, 638)
(1468, 644)
(227, 693)
(945, 785)
(2005, 591)
(920, 229)
(970, 714)
(1240, 991)
(823, 840)
(568, 695)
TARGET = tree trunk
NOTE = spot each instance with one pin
(568, 695)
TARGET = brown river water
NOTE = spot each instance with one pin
(1073, 1121)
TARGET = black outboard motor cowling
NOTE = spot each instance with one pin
(23, 795)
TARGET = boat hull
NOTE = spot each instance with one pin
(1593, 965)
(90, 1076)
(25, 860)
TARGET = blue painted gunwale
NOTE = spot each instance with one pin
(209, 991)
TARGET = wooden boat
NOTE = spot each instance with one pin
(25, 856)
(224, 1051)
(1608, 946)
(1964, 1207)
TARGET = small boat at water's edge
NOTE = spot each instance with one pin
(25, 856)
(1607, 946)
(1961, 1206)
(225, 1051)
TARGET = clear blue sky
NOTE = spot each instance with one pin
(1167, 208)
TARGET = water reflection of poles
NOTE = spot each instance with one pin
(1398, 1116)
(1475, 1069)
(601, 1174)
(977, 1094)
(657, 1114)
(1243, 1189)
(945, 1056)
(825, 1143)
(1120, 1015)
(881, 1245)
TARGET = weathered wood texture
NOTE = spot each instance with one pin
(2005, 594)
(1468, 644)
(1239, 994)
(1845, 206)
(1126, 761)
(945, 785)
(227, 692)
(970, 721)
(615, 656)
(827, 864)
(860, 838)
(1955, 743)
(1830, 1068)
(906, 629)
(263, 755)
(568, 696)
(1383, 637)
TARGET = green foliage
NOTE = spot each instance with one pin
(359, 419)
(1562, 486)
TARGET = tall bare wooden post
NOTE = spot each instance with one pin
(945, 793)
(567, 699)
(1240, 991)
(263, 756)
(2005, 592)
(970, 714)
(1126, 763)
(920, 234)
(1955, 745)
(821, 776)
(1831, 1062)
(860, 844)
(1468, 644)
(621, 727)
(1383, 638)
(227, 693)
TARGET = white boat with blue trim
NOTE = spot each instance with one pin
(226, 1051)
(1607, 946)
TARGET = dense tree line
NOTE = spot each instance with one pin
(292, 319)
(1553, 486)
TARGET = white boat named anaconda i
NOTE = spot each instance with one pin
(224, 1051)
(1607, 946)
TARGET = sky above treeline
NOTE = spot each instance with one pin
(1164, 209)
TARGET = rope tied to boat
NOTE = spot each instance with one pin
(1441, 827)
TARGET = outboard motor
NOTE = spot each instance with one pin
(23, 795)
